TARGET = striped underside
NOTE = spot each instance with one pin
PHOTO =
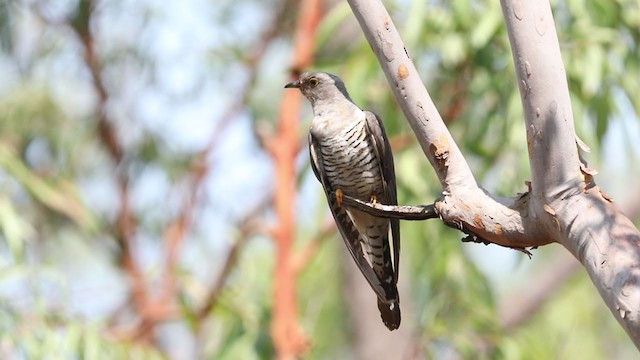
(351, 165)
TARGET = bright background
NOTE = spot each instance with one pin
(111, 247)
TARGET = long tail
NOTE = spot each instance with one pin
(390, 314)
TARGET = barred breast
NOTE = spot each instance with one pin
(350, 162)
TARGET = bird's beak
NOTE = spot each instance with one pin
(293, 84)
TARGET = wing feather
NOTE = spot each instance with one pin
(375, 129)
(350, 234)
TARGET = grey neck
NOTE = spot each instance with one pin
(341, 106)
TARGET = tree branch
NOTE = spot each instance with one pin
(563, 204)
(463, 204)
(402, 212)
(288, 338)
(569, 205)
(177, 230)
(606, 243)
(125, 225)
(545, 98)
(417, 106)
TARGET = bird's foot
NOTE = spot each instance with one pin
(374, 199)
(339, 195)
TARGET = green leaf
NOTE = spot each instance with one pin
(486, 28)
(462, 12)
(72, 341)
(90, 346)
(60, 197)
(414, 27)
(331, 22)
(14, 228)
(6, 23)
(454, 49)
(592, 74)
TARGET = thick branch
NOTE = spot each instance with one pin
(545, 98)
(571, 207)
(608, 245)
(560, 205)
(463, 205)
(412, 96)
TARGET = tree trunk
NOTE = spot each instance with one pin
(563, 203)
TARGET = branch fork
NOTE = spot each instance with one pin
(559, 206)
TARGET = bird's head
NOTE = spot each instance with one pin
(319, 86)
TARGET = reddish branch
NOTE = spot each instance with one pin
(152, 311)
(201, 167)
(125, 226)
(287, 335)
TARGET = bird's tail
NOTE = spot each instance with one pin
(390, 313)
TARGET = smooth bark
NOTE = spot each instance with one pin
(563, 203)
(574, 211)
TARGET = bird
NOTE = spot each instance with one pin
(350, 155)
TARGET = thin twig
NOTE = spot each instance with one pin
(125, 226)
(402, 212)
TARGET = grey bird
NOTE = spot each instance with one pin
(350, 154)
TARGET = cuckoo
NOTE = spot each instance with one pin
(350, 155)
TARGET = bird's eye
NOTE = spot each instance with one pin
(313, 82)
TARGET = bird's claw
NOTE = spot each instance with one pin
(374, 199)
(339, 195)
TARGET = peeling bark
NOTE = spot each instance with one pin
(563, 203)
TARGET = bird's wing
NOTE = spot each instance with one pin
(375, 129)
(350, 234)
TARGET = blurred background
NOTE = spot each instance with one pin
(156, 199)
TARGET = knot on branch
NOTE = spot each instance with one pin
(484, 222)
(440, 150)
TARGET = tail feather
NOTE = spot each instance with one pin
(390, 314)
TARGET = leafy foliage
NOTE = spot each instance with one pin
(59, 200)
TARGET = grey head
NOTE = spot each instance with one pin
(320, 87)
